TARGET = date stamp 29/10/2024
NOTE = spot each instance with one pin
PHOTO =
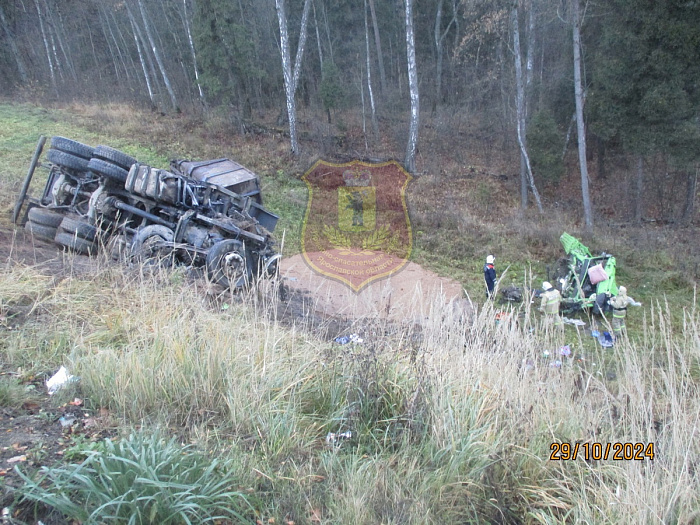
(601, 451)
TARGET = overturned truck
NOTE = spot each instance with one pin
(206, 213)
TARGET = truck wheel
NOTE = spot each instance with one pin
(67, 160)
(147, 245)
(80, 228)
(75, 243)
(45, 217)
(40, 230)
(108, 169)
(229, 264)
(114, 156)
(73, 147)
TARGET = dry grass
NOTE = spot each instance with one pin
(449, 427)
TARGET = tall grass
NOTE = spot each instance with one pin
(450, 424)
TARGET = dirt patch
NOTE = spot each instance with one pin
(404, 295)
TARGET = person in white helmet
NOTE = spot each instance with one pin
(619, 305)
(490, 276)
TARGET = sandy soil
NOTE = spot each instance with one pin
(405, 294)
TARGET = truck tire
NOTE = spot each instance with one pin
(72, 146)
(229, 264)
(109, 170)
(144, 246)
(75, 243)
(40, 230)
(67, 160)
(114, 156)
(78, 227)
(45, 217)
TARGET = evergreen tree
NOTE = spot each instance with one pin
(645, 90)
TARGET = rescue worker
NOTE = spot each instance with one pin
(550, 307)
(619, 305)
(490, 276)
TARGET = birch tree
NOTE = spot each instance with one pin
(291, 77)
(156, 54)
(46, 47)
(526, 174)
(186, 22)
(378, 45)
(580, 126)
(375, 125)
(136, 31)
(412, 145)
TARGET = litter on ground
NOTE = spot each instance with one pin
(332, 437)
(58, 380)
(353, 338)
(605, 340)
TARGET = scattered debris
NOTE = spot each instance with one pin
(528, 364)
(605, 340)
(333, 438)
(575, 322)
(58, 380)
(67, 422)
(353, 338)
(565, 351)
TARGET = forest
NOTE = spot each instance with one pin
(604, 90)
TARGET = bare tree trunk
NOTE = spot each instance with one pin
(291, 78)
(117, 25)
(13, 47)
(412, 144)
(186, 22)
(135, 29)
(58, 31)
(689, 210)
(568, 135)
(439, 38)
(318, 41)
(375, 125)
(301, 45)
(378, 45)
(112, 43)
(530, 62)
(638, 190)
(46, 47)
(520, 111)
(580, 128)
(156, 54)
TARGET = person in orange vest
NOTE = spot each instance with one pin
(619, 305)
(490, 276)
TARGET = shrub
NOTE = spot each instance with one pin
(142, 479)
